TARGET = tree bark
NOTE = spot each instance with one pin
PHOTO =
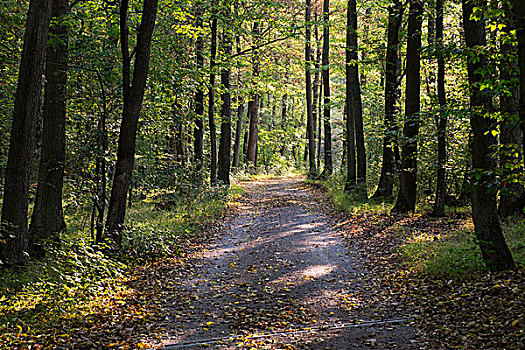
(328, 163)
(211, 102)
(48, 216)
(225, 143)
(386, 180)
(14, 238)
(407, 196)
(253, 105)
(312, 171)
(353, 94)
(198, 131)
(316, 96)
(441, 186)
(133, 94)
(284, 123)
(494, 250)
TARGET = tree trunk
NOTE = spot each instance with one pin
(312, 171)
(441, 186)
(494, 250)
(133, 94)
(284, 123)
(407, 196)
(225, 143)
(253, 105)
(319, 127)
(353, 94)
(198, 131)
(386, 180)
(354, 104)
(511, 155)
(48, 216)
(316, 96)
(328, 164)
(14, 238)
(211, 103)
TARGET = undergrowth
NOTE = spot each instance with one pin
(451, 253)
(78, 279)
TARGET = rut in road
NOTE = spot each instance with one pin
(280, 265)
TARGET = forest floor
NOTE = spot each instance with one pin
(279, 275)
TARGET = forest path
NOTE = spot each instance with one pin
(279, 269)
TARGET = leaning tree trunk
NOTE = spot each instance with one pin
(133, 94)
(225, 143)
(198, 131)
(328, 163)
(308, 87)
(511, 156)
(439, 204)
(14, 238)
(386, 180)
(253, 105)
(48, 216)
(407, 196)
(494, 250)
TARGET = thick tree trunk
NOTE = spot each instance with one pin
(441, 186)
(386, 180)
(494, 250)
(510, 133)
(211, 103)
(253, 105)
(407, 196)
(133, 94)
(225, 143)
(48, 216)
(328, 163)
(13, 231)
(312, 171)
(198, 131)
(319, 126)
(353, 94)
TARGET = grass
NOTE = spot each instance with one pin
(77, 280)
(441, 248)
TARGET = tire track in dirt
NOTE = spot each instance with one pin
(280, 265)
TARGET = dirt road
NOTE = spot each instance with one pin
(280, 276)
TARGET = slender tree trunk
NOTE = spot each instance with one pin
(310, 133)
(225, 143)
(407, 196)
(48, 216)
(211, 103)
(328, 163)
(494, 250)
(316, 97)
(284, 123)
(253, 105)
(133, 94)
(176, 138)
(14, 238)
(319, 126)
(354, 105)
(198, 131)
(386, 180)
(353, 94)
(510, 133)
(439, 204)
